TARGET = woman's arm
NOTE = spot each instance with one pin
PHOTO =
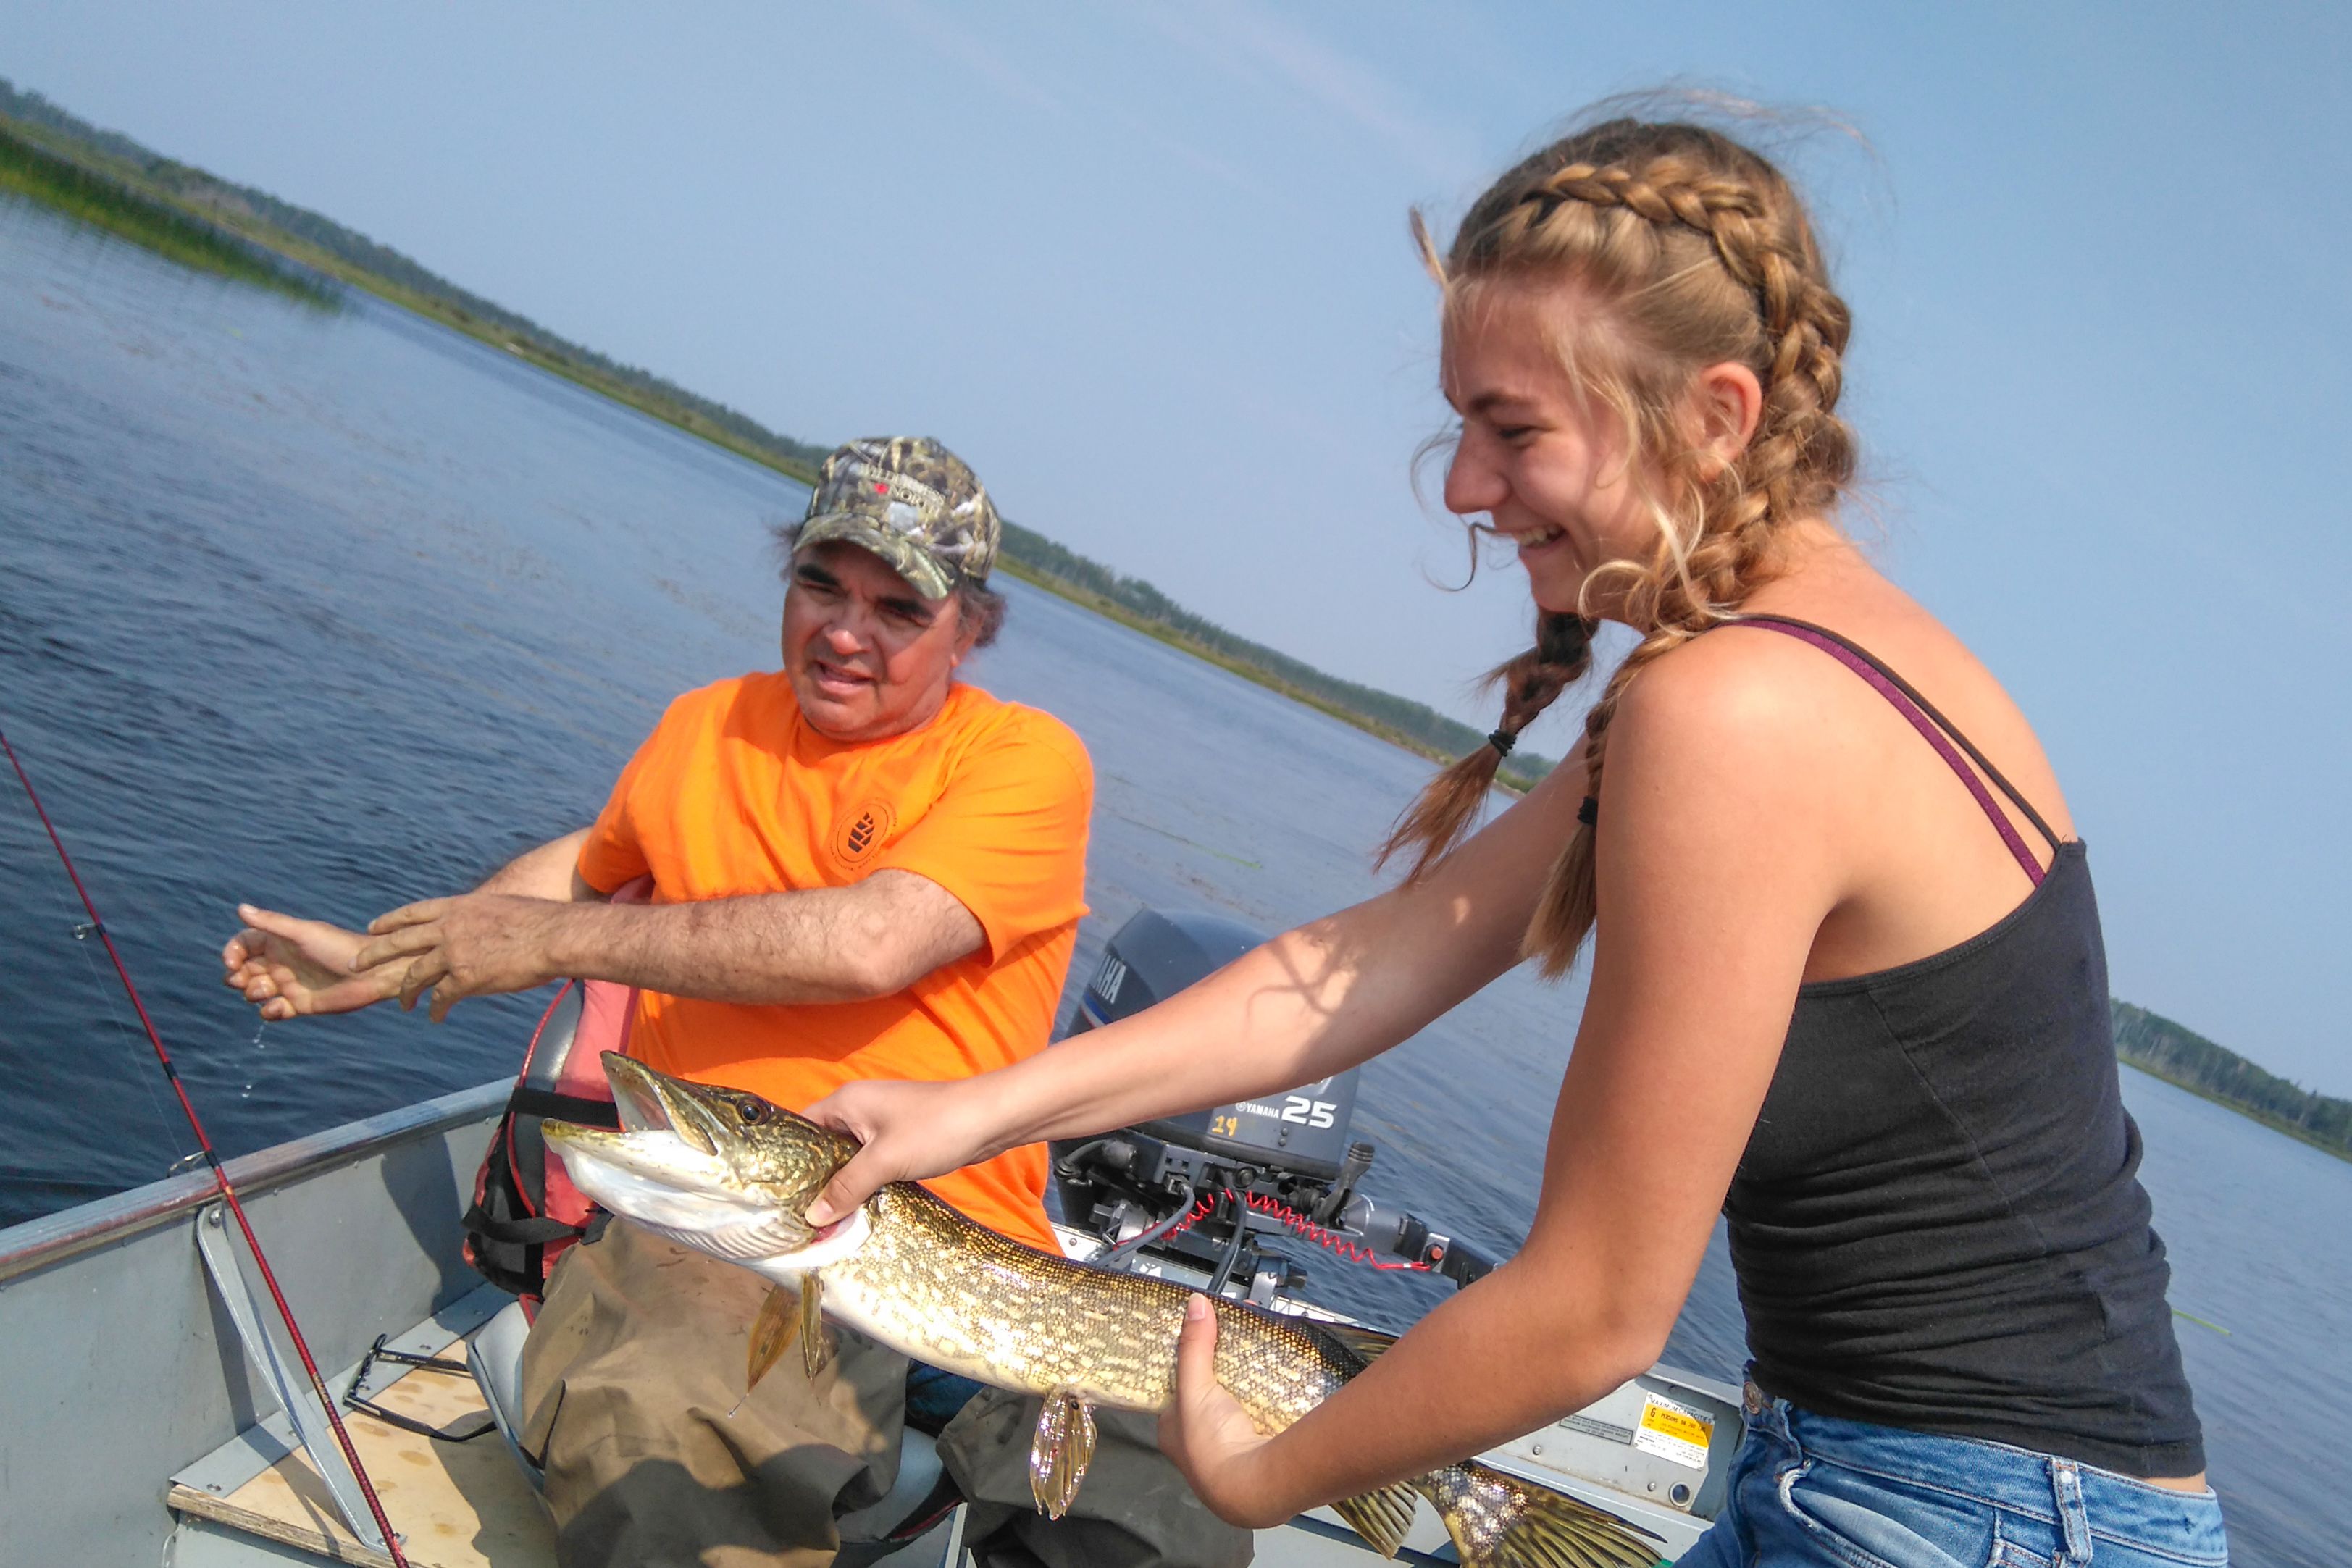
(1716, 862)
(1308, 1004)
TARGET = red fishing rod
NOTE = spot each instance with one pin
(220, 1172)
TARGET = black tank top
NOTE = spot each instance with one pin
(1937, 1223)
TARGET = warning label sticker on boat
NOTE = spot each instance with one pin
(1672, 1432)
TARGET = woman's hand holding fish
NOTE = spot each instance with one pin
(1208, 1435)
(908, 1130)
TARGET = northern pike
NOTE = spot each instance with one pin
(726, 1173)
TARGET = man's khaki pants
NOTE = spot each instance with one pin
(632, 1394)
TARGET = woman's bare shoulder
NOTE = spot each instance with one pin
(1722, 736)
(1877, 614)
(1746, 691)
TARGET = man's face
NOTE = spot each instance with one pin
(868, 656)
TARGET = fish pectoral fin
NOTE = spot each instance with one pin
(1060, 1453)
(816, 1344)
(1384, 1517)
(1369, 1344)
(772, 1333)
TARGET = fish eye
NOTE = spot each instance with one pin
(752, 1112)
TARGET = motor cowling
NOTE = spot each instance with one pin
(1303, 1132)
(1254, 1166)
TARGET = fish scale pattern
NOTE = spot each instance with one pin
(935, 1285)
(923, 1278)
(987, 1306)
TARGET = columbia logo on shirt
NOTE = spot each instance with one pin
(864, 831)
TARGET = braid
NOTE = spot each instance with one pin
(1637, 210)
(1805, 324)
(1446, 810)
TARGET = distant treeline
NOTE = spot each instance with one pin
(2180, 1055)
(256, 214)
(1418, 724)
(205, 211)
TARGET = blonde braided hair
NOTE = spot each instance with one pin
(1682, 249)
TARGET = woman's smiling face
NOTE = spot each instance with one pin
(1543, 463)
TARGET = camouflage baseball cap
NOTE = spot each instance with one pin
(912, 502)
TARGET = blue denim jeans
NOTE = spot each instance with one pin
(1809, 1489)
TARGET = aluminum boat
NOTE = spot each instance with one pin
(153, 1412)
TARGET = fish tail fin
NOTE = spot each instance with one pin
(1501, 1521)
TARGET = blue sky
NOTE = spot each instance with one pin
(1146, 267)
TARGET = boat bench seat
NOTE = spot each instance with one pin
(494, 1355)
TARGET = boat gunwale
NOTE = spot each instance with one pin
(52, 1239)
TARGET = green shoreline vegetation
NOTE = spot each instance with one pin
(30, 172)
(2187, 1059)
(167, 196)
(109, 181)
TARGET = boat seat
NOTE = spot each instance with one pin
(921, 1492)
(494, 1355)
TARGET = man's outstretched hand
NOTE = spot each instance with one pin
(475, 945)
(290, 967)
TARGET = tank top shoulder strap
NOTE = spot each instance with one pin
(1938, 731)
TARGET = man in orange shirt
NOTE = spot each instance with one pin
(861, 868)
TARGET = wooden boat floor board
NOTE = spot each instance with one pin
(455, 1505)
(257, 1447)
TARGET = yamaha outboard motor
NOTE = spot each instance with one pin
(1194, 1196)
(1152, 957)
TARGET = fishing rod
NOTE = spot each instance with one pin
(212, 1159)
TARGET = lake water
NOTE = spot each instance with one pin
(330, 612)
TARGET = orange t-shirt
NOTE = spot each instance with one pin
(734, 794)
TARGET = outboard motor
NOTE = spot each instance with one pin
(1194, 1196)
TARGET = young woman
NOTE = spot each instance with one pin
(1847, 983)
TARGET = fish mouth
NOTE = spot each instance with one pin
(649, 1102)
(663, 1136)
(651, 1153)
(634, 1096)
